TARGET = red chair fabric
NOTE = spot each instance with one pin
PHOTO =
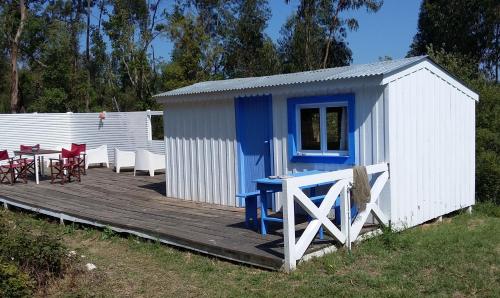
(13, 169)
(67, 166)
(69, 153)
(4, 154)
(81, 149)
(29, 148)
(30, 162)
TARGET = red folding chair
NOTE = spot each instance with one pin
(30, 163)
(81, 149)
(65, 167)
(12, 169)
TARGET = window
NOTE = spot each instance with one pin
(157, 127)
(310, 132)
(321, 129)
(336, 128)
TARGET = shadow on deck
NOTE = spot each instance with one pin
(137, 205)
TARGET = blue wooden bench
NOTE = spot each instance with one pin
(249, 200)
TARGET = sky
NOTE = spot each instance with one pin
(388, 32)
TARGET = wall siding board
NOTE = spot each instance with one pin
(431, 159)
(126, 131)
(369, 112)
(429, 143)
(206, 151)
(202, 160)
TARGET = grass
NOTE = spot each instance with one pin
(459, 257)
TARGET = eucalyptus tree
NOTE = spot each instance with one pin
(249, 51)
(13, 21)
(468, 28)
(315, 36)
(131, 27)
(198, 30)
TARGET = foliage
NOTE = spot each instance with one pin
(131, 28)
(458, 257)
(250, 52)
(189, 37)
(99, 55)
(118, 64)
(470, 28)
(315, 36)
(107, 233)
(13, 282)
(41, 255)
(487, 122)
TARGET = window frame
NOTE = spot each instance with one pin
(296, 153)
(149, 115)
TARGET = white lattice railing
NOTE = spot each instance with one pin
(342, 180)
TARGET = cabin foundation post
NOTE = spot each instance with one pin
(5, 206)
(439, 219)
(469, 210)
(61, 221)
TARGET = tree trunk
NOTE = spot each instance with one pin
(87, 97)
(88, 31)
(14, 88)
(327, 52)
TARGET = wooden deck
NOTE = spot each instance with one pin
(137, 205)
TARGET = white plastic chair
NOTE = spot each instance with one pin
(97, 155)
(148, 161)
(124, 159)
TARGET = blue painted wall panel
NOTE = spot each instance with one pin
(254, 135)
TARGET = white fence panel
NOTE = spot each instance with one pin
(125, 130)
(349, 231)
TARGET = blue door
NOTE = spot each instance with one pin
(254, 134)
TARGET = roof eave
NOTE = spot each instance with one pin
(413, 67)
(371, 80)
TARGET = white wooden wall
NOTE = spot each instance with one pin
(127, 131)
(432, 135)
(201, 139)
(201, 151)
(370, 135)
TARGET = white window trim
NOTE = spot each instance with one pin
(322, 121)
(149, 125)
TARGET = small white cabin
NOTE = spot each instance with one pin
(410, 113)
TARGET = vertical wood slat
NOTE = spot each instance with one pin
(431, 156)
(202, 160)
(370, 129)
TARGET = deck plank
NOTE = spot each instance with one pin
(137, 204)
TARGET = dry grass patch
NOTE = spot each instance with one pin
(125, 271)
(445, 260)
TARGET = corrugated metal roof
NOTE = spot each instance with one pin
(328, 74)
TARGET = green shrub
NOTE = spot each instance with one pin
(487, 122)
(488, 142)
(39, 254)
(13, 282)
(488, 209)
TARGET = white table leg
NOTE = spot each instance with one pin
(37, 178)
(42, 163)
